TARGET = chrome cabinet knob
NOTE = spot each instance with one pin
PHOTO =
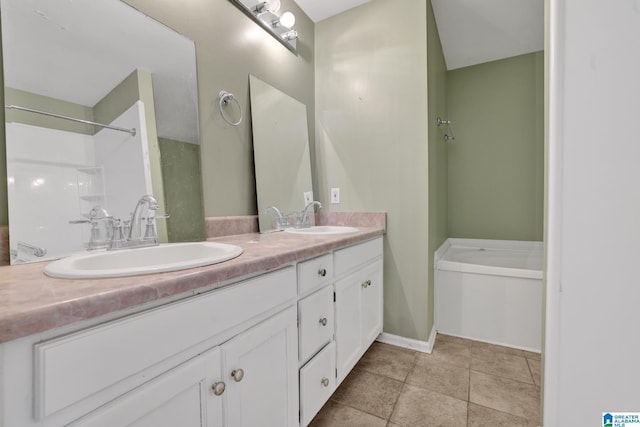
(322, 272)
(366, 284)
(218, 388)
(237, 374)
(323, 321)
(325, 382)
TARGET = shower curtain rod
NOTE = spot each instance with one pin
(132, 131)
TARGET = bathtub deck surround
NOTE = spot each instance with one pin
(461, 383)
(490, 290)
(306, 307)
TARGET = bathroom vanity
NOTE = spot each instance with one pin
(266, 344)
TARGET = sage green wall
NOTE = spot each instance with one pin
(44, 103)
(229, 47)
(371, 140)
(496, 185)
(182, 190)
(438, 176)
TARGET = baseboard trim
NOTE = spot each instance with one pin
(410, 343)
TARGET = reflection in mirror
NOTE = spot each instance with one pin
(100, 62)
(281, 153)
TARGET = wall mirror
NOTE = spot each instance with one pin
(102, 62)
(281, 153)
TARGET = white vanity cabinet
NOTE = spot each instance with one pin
(181, 397)
(265, 351)
(162, 364)
(247, 381)
(348, 285)
(358, 315)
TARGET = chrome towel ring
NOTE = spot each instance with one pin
(224, 99)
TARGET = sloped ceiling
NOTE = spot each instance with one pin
(477, 31)
(318, 10)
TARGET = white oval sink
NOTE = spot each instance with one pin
(323, 230)
(132, 262)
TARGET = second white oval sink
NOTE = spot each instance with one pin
(131, 262)
(323, 230)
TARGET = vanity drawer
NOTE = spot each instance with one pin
(349, 258)
(317, 382)
(74, 367)
(316, 322)
(314, 273)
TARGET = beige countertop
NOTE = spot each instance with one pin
(31, 302)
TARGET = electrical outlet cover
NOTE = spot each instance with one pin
(335, 196)
(308, 197)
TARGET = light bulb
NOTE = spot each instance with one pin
(288, 20)
(273, 5)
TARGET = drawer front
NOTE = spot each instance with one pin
(314, 273)
(316, 322)
(317, 383)
(348, 259)
(76, 366)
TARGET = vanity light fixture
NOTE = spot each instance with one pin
(265, 14)
(272, 6)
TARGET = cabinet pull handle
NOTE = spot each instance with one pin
(237, 374)
(323, 321)
(218, 388)
(322, 272)
(325, 382)
(366, 284)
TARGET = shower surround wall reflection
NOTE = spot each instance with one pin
(56, 178)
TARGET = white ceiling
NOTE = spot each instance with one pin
(318, 10)
(473, 31)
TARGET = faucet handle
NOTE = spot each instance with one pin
(150, 231)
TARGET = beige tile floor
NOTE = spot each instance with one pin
(461, 383)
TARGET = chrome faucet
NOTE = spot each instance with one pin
(135, 232)
(303, 220)
(130, 235)
(282, 221)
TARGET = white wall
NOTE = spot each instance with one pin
(592, 356)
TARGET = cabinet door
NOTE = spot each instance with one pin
(260, 369)
(181, 397)
(358, 315)
(372, 303)
(348, 323)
